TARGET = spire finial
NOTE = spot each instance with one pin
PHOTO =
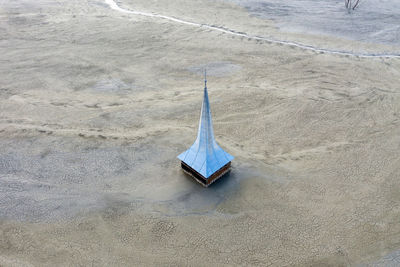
(205, 78)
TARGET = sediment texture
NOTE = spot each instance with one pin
(96, 104)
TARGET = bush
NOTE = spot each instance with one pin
(351, 4)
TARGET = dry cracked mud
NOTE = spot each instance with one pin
(95, 105)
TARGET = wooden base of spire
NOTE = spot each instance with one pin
(201, 179)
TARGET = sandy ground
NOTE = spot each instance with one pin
(95, 105)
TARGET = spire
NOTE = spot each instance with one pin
(205, 155)
(205, 132)
(205, 78)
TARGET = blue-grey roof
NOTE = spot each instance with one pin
(205, 156)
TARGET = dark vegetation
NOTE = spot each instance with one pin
(351, 4)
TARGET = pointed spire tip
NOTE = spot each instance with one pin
(205, 78)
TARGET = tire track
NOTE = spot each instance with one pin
(132, 135)
(113, 5)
